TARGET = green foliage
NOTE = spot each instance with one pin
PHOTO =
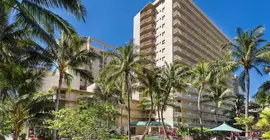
(243, 121)
(23, 136)
(195, 131)
(37, 17)
(264, 123)
(91, 121)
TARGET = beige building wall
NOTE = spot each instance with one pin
(178, 30)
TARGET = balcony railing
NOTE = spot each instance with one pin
(148, 51)
(148, 43)
(176, 5)
(148, 20)
(147, 13)
(186, 115)
(148, 36)
(147, 28)
(176, 57)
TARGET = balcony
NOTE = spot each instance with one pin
(176, 57)
(148, 51)
(146, 44)
(149, 35)
(186, 96)
(176, 5)
(186, 115)
(148, 20)
(148, 28)
(147, 13)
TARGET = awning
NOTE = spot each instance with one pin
(144, 123)
(226, 127)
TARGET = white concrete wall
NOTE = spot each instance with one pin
(164, 33)
(136, 31)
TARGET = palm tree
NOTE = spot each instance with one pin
(201, 73)
(35, 14)
(108, 92)
(219, 95)
(20, 104)
(262, 98)
(173, 77)
(125, 63)
(247, 53)
(148, 86)
(66, 58)
(25, 111)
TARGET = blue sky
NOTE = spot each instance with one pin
(112, 20)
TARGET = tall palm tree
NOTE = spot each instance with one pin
(35, 14)
(219, 95)
(148, 86)
(173, 77)
(66, 57)
(125, 63)
(201, 73)
(248, 54)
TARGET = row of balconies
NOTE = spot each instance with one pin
(148, 20)
(181, 42)
(184, 51)
(147, 13)
(150, 35)
(185, 35)
(147, 28)
(206, 50)
(177, 31)
(178, 24)
(209, 24)
(201, 30)
(203, 21)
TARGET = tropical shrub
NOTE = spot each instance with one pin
(90, 121)
(264, 123)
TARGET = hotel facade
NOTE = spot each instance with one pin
(168, 30)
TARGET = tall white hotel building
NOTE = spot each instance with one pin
(168, 30)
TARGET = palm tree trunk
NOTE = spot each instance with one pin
(16, 135)
(128, 108)
(199, 108)
(158, 108)
(247, 97)
(163, 124)
(121, 119)
(57, 100)
(216, 112)
(150, 116)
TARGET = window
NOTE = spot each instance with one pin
(163, 49)
(163, 58)
(163, 17)
(163, 42)
(163, 25)
(163, 9)
(163, 33)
